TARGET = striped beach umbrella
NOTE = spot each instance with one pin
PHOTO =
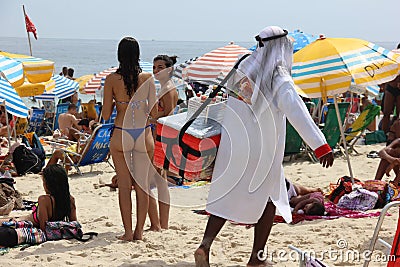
(327, 66)
(13, 101)
(12, 70)
(35, 89)
(36, 70)
(178, 71)
(63, 88)
(214, 65)
(97, 82)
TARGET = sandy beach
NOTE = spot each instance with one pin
(98, 211)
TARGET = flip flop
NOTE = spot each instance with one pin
(373, 155)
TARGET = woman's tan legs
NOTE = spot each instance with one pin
(141, 166)
(163, 199)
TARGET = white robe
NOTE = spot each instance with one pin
(248, 169)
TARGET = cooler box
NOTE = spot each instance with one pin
(196, 160)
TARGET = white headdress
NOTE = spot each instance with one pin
(274, 50)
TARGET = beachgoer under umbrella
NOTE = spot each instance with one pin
(248, 182)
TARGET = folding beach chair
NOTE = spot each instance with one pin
(394, 257)
(36, 120)
(331, 129)
(306, 260)
(60, 109)
(356, 130)
(96, 149)
(21, 125)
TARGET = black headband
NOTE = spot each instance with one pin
(261, 40)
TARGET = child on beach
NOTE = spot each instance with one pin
(56, 204)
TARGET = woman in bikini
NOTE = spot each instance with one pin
(167, 101)
(133, 92)
(391, 100)
(57, 204)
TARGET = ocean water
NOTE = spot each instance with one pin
(93, 56)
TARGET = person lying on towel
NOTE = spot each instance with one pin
(305, 200)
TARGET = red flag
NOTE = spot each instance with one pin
(30, 27)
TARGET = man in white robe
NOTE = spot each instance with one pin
(248, 183)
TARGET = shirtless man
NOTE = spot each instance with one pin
(67, 121)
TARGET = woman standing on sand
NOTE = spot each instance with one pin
(133, 92)
(167, 100)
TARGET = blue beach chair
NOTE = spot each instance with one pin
(36, 121)
(112, 117)
(96, 149)
(60, 109)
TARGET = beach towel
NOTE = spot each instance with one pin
(332, 212)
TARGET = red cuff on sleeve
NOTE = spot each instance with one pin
(322, 150)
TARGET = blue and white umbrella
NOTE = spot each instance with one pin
(13, 101)
(299, 39)
(64, 88)
(12, 70)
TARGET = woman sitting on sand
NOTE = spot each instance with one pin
(133, 93)
(57, 204)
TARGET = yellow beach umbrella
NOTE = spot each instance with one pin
(36, 70)
(33, 89)
(328, 66)
(83, 80)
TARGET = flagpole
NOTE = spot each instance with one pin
(29, 38)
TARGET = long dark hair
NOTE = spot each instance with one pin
(129, 68)
(56, 180)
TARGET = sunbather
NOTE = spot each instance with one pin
(307, 200)
(59, 154)
(67, 121)
(390, 160)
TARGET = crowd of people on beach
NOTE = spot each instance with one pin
(132, 93)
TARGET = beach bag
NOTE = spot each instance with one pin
(342, 187)
(26, 161)
(378, 136)
(358, 199)
(379, 187)
(66, 230)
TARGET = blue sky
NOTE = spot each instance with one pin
(207, 20)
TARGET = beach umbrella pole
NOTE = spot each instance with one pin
(8, 126)
(343, 138)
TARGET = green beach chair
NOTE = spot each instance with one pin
(293, 141)
(331, 129)
(356, 130)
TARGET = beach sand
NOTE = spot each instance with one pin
(98, 211)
